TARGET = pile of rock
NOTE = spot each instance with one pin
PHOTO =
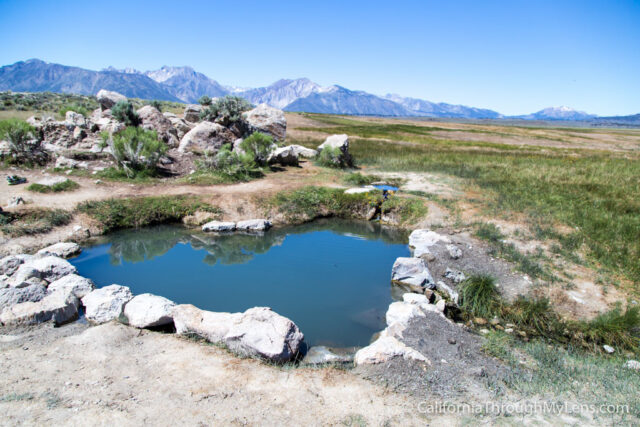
(250, 225)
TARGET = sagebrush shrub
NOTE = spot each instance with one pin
(25, 142)
(226, 111)
(259, 145)
(124, 113)
(136, 150)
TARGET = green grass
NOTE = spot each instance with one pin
(32, 221)
(308, 203)
(356, 178)
(593, 192)
(67, 185)
(568, 375)
(479, 296)
(114, 214)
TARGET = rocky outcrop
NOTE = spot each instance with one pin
(206, 136)
(267, 120)
(181, 126)
(422, 239)
(258, 332)
(253, 225)
(108, 99)
(10, 263)
(147, 310)
(192, 113)
(62, 250)
(219, 226)
(64, 163)
(412, 272)
(340, 142)
(73, 120)
(106, 304)
(285, 156)
(152, 119)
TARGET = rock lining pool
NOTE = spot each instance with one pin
(331, 277)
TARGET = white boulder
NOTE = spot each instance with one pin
(51, 181)
(253, 225)
(206, 136)
(304, 151)
(74, 284)
(48, 268)
(219, 226)
(152, 119)
(105, 304)
(73, 119)
(447, 291)
(422, 239)
(108, 99)
(632, 364)
(402, 313)
(212, 326)
(148, 310)
(58, 307)
(12, 296)
(62, 250)
(413, 272)
(267, 120)
(10, 263)
(386, 348)
(285, 156)
(340, 142)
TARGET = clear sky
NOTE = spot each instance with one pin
(511, 56)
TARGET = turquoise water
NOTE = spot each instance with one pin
(331, 277)
(386, 187)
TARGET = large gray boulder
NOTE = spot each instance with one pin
(181, 126)
(206, 136)
(62, 249)
(72, 284)
(257, 332)
(219, 226)
(59, 307)
(48, 268)
(412, 272)
(422, 239)
(10, 263)
(152, 119)
(13, 296)
(340, 142)
(108, 99)
(267, 120)
(148, 310)
(192, 113)
(285, 156)
(106, 304)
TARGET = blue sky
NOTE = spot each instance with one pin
(514, 57)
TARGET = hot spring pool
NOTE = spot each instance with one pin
(331, 277)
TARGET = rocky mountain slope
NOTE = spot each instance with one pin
(184, 84)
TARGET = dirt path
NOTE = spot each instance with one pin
(117, 375)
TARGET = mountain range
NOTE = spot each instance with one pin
(184, 84)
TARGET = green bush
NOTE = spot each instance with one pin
(33, 221)
(332, 157)
(115, 214)
(156, 104)
(76, 108)
(259, 145)
(356, 178)
(479, 296)
(124, 113)
(136, 150)
(67, 185)
(230, 165)
(226, 111)
(205, 100)
(25, 143)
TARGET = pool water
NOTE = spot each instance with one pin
(385, 187)
(331, 277)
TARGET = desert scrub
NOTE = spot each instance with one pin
(136, 151)
(32, 221)
(259, 145)
(25, 143)
(356, 178)
(230, 166)
(123, 112)
(226, 111)
(114, 214)
(67, 185)
(332, 157)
